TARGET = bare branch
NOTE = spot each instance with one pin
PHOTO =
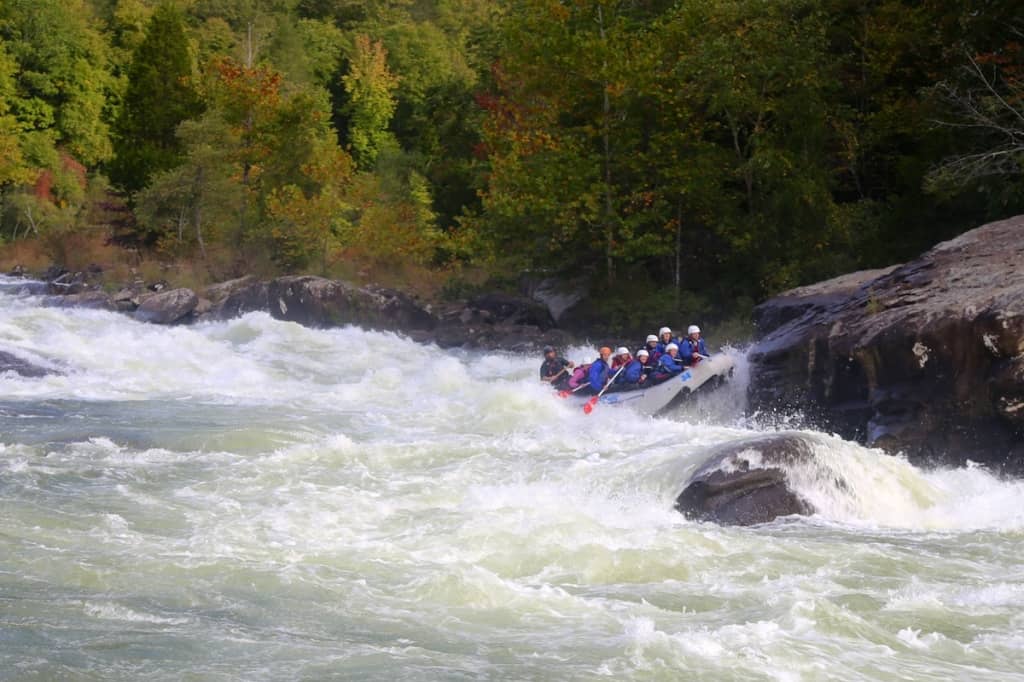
(997, 126)
(991, 88)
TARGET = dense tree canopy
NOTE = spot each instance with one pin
(158, 97)
(691, 154)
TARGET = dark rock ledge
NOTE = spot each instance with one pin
(491, 321)
(926, 358)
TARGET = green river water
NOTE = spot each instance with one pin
(254, 500)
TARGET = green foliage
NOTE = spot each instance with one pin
(13, 168)
(158, 98)
(371, 103)
(63, 80)
(735, 146)
(712, 153)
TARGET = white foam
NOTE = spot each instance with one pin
(111, 611)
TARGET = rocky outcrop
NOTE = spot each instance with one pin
(508, 337)
(488, 321)
(745, 482)
(94, 300)
(245, 297)
(20, 366)
(926, 358)
(23, 287)
(167, 307)
(506, 309)
(319, 302)
(498, 320)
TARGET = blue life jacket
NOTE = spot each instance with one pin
(598, 374)
(669, 365)
(631, 375)
(687, 347)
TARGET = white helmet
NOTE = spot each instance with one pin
(663, 331)
(642, 353)
(694, 329)
(651, 337)
(622, 350)
(671, 346)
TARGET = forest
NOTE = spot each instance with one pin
(674, 158)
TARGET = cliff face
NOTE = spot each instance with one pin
(926, 358)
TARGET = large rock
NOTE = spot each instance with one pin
(23, 287)
(220, 292)
(12, 363)
(925, 358)
(319, 302)
(167, 307)
(512, 338)
(94, 300)
(557, 295)
(507, 309)
(247, 298)
(745, 482)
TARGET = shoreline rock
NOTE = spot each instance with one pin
(494, 321)
(926, 358)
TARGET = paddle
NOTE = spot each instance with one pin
(551, 379)
(588, 407)
(565, 393)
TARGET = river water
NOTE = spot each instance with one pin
(254, 500)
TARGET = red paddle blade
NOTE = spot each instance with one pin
(588, 407)
(564, 394)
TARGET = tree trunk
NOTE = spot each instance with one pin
(181, 224)
(609, 224)
(741, 158)
(197, 211)
(679, 250)
(250, 57)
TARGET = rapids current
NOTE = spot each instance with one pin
(257, 500)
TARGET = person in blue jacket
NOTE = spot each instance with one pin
(652, 347)
(692, 348)
(635, 374)
(668, 364)
(664, 338)
(623, 359)
(647, 361)
(598, 374)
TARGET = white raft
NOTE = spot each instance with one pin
(652, 400)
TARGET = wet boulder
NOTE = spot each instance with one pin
(320, 302)
(507, 337)
(93, 300)
(20, 366)
(926, 358)
(237, 297)
(510, 310)
(167, 307)
(23, 287)
(745, 482)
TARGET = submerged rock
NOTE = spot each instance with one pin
(744, 483)
(167, 307)
(925, 358)
(12, 363)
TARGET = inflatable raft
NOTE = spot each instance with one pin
(708, 372)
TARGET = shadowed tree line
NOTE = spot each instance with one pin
(679, 157)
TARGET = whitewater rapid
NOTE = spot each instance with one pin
(254, 499)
